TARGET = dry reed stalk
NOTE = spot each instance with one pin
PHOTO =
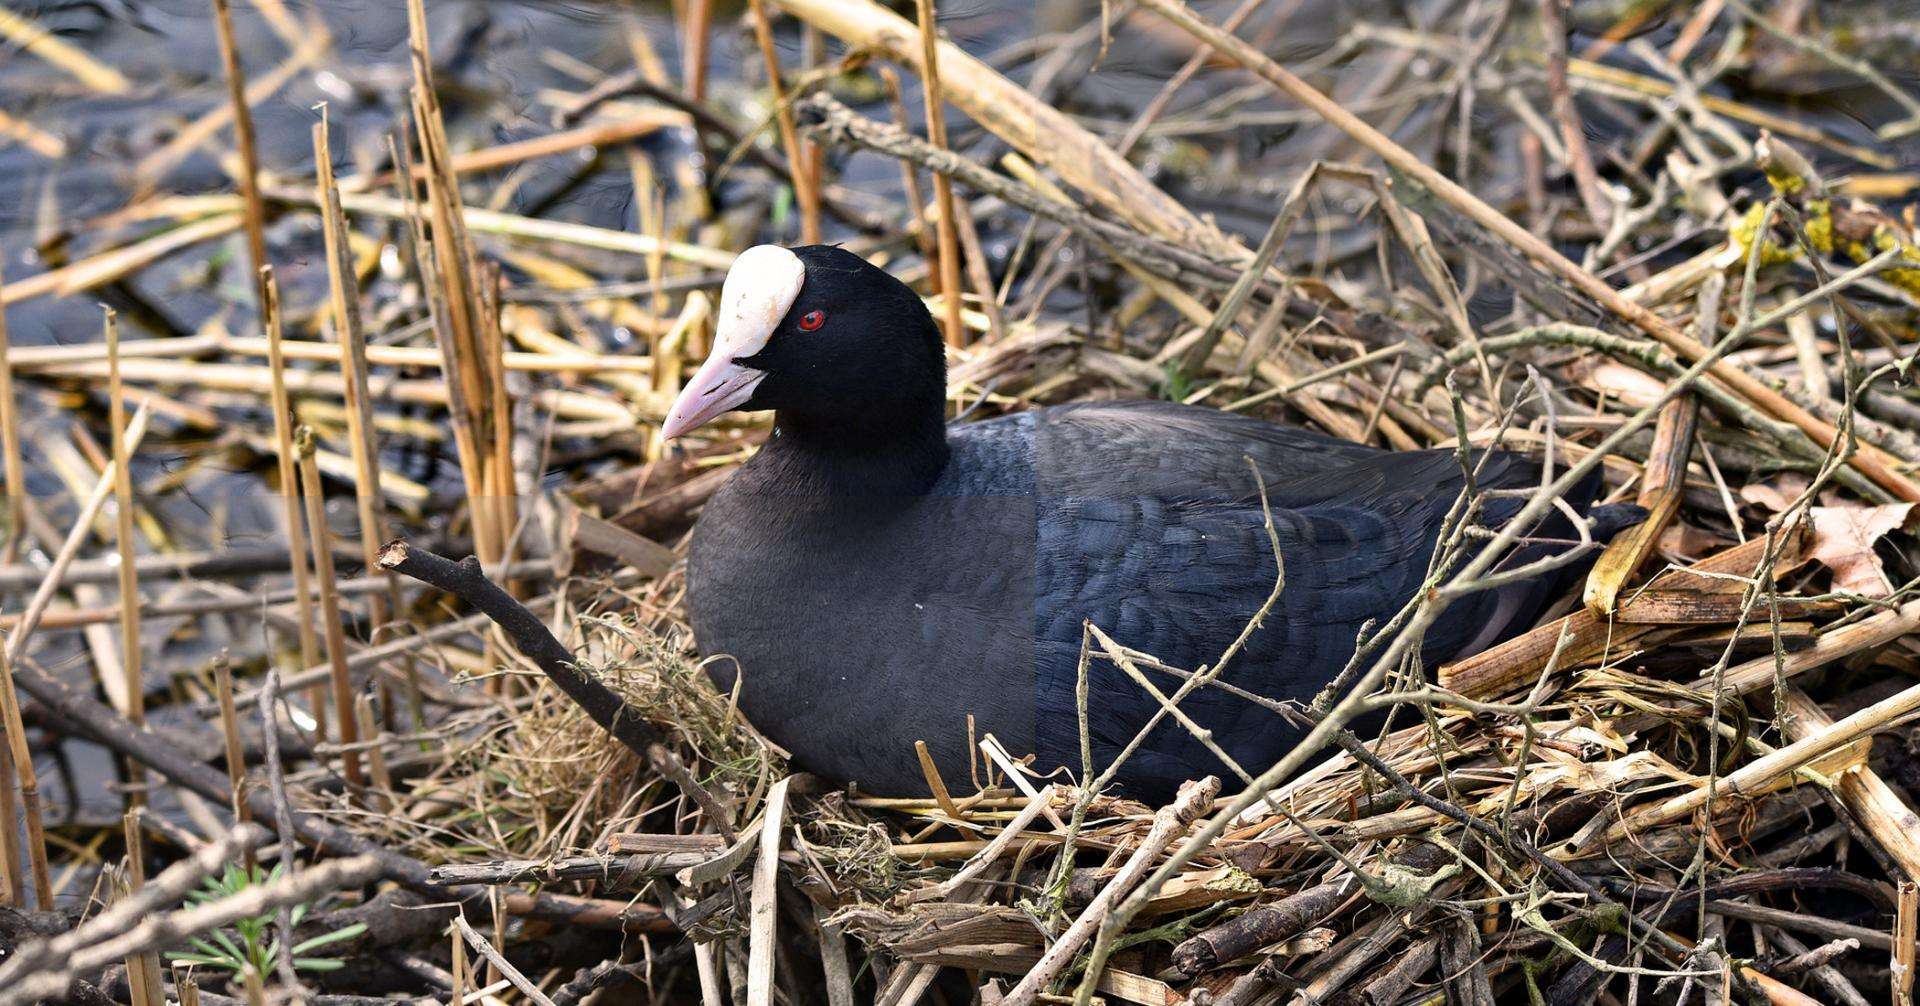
(130, 656)
(529, 228)
(381, 799)
(457, 323)
(230, 731)
(341, 678)
(233, 377)
(764, 906)
(344, 291)
(13, 883)
(600, 134)
(108, 266)
(806, 188)
(32, 137)
(909, 176)
(505, 496)
(150, 989)
(650, 211)
(1767, 769)
(31, 37)
(243, 137)
(16, 480)
(287, 467)
(947, 226)
(1876, 805)
(1835, 644)
(1868, 460)
(573, 359)
(975, 258)
(16, 648)
(1516, 661)
(1662, 487)
(1906, 940)
(693, 38)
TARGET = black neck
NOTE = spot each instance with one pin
(900, 457)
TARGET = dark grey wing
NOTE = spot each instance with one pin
(1175, 451)
(1179, 580)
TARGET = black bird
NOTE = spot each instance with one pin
(877, 576)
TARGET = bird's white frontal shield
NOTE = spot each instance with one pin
(760, 289)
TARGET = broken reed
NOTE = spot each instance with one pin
(948, 263)
(129, 574)
(330, 614)
(463, 324)
(344, 300)
(14, 881)
(800, 161)
(287, 464)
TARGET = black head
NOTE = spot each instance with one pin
(836, 346)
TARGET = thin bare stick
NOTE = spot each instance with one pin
(159, 930)
(499, 962)
(537, 643)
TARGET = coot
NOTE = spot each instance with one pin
(877, 576)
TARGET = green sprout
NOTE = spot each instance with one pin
(250, 944)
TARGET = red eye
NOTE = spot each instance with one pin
(812, 320)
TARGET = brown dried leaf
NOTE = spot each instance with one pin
(1776, 494)
(1843, 540)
